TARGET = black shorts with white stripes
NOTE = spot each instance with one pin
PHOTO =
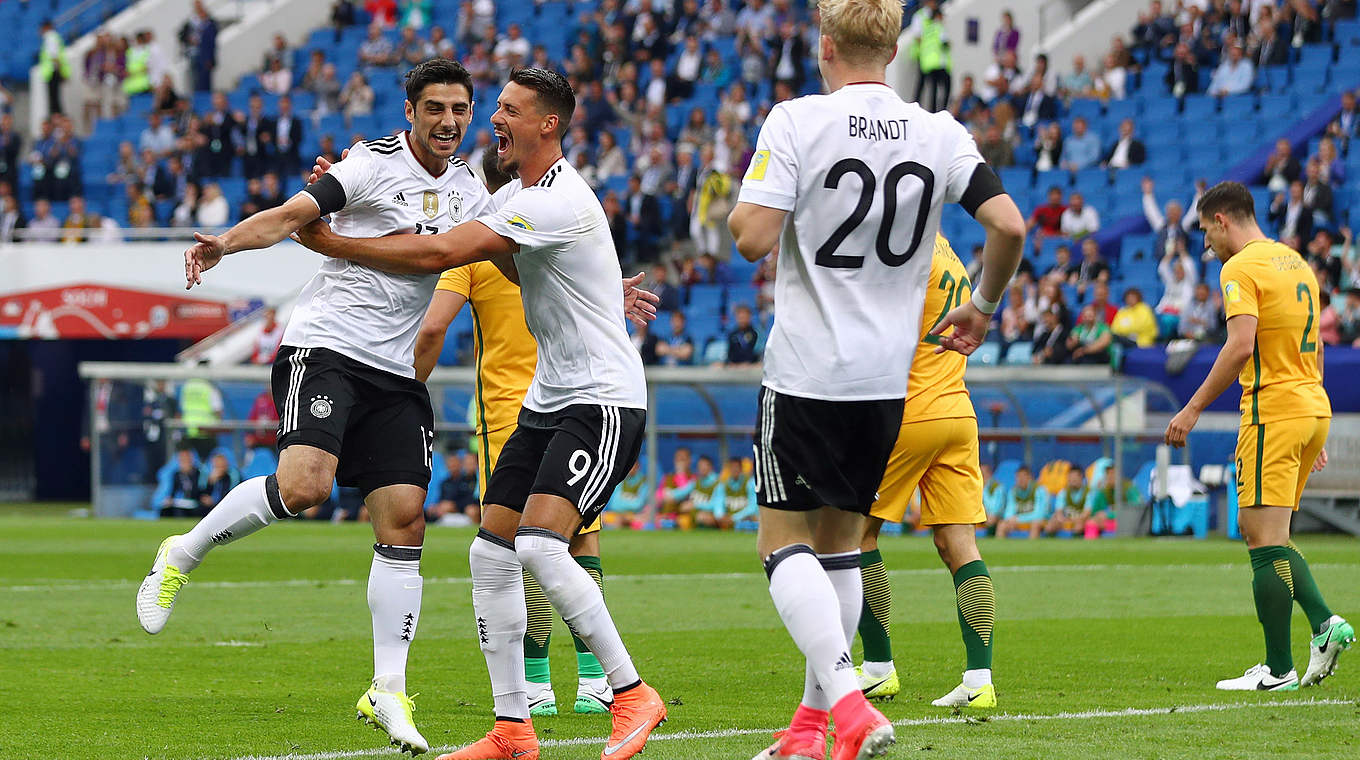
(580, 452)
(812, 453)
(379, 425)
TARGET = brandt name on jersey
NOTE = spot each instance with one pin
(877, 129)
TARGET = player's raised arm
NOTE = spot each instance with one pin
(411, 254)
(256, 231)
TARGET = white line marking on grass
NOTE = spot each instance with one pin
(729, 733)
(105, 585)
(235, 643)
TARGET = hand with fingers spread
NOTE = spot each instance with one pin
(639, 305)
(970, 328)
(202, 256)
(322, 166)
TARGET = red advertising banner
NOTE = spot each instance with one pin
(99, 311)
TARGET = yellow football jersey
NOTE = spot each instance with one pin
(506, 353)
(1281, 381)
(935, 388)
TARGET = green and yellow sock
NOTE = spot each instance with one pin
(1306, 592)
(537, 633)
(587, 665)
(977, 612)
(873, 621)
(1272, 584)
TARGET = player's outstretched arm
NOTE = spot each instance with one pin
(1234, 354)
(444, 306)
(1001, 254)
(256, 231)
(410, 254)
(755, 229)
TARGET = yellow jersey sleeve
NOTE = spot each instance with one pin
(457, 280)
(935, 388)
(1281, 381)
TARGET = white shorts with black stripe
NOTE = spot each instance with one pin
(580, 453)
(379, 425)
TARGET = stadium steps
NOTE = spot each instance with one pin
(1339, 509)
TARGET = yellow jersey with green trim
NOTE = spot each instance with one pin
(1281, 380)
(935, 388)
(505, 353)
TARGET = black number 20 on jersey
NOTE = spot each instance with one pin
(826, 253)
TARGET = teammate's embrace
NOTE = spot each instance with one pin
(854, 181)
(1270, 298)
(581, 426)
(349, 405)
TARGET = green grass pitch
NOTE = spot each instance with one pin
(1103, 649)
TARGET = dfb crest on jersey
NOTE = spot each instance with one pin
(455, 206)
(429, 203)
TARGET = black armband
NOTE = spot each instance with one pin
(982, 187)
(328, 193)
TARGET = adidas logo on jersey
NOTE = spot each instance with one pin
(400, 199)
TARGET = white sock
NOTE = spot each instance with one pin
(813, 696)
(877, 669)
(807, 603)
(843, 572)
(577, 599)
(394, 591)
(498, 602)
(244, 510)
(976, 679)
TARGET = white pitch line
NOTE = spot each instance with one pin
(105, 585)
(729, 733)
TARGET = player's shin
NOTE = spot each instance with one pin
(807, 603)
(875, 613)
(1306, 592)
(577, 599)
(538, 632)
(977, 616)
(498, 602)
(1273, 588)
(249, 506)
(394, 594)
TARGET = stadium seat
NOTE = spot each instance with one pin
(1019, 353)
(1005, 472)
(1198, 108)
(986, 355)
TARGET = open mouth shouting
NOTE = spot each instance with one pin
(503, 142)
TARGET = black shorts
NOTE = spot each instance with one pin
(380, 425)
(580, 453)
(812, 453)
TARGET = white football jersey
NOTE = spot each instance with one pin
(366, 314)
(570, 282)
(865, 175)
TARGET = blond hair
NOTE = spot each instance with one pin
(865, 31)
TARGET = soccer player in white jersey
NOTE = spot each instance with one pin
(350, 407)
(580, 428)
(854, 182)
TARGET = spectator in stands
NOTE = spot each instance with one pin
(287, 138)
(213, 209)
(216, 482)
(512, 50)
(413, 49)
(11, 218)
(104, 71)
(1135, 323)
(1049, 295)
(1282, 167)
(342, 16)
(1050, 338)
(1347, 123)
(966, 102)
(1048, 147)
(1113, 80)
(182, 500)
(1172, 228)
(256, 144)
(688, 68)
(1331, 169)
(1182, 76)
(675, 485)
(183, 215)
(713, 202)
(1078, 220)
(1016, 322)
(679, 348)
(1234, 75)
(1046, 220)
(54, 66)
(415, 14)
(1007, 37)
(1001, 75)
(43, 227)
(219, 127)
(1077, 84)
(56, 161)
(1069, 505)
(1089, 342)
(156, 177)
(1100, 301)
(356, 99)
(376, 51)
(741, 341)
(1153, 27)
(646, 343)
(11, 143)
(1267, 48)
(1081, 148)
(1202, 317)
(1063, 269)
(1317, 194)
(1322, 254)
(277, 80)
(1349, 317)
(995, 149)
(1127, 150)
(610, 161)
(78, 220)
(1290, 214)
(930, 51)
(1035, 100)
(1329, 323)
(157, 137)
(735, 105)
(457, 494)
(383, 12)
(1178, 284)
(202, 38)
(1026, 506)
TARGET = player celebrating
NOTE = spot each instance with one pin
(937, 451)
(581, 425)
(505, 359)
(865, 176)
(1270, 301)
(350, 407)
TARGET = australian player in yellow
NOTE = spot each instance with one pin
(937, 453)
(506, 355)
(1270, 298)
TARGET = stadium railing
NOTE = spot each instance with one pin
(1029, 415)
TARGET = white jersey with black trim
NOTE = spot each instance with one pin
(366, 314)
(570, 282)
(864, 175)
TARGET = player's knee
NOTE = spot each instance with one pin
(302, 492)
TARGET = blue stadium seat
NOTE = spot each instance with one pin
(1310, 76)
(986, 355)
(1198, 108)
(1091, 179)
(1275, 78)
(1016, 177)
(1019, 353)
(1275, 104)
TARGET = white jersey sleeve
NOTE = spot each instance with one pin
(772, 178)
(356, 173)
(534, 219)
(961, 168)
